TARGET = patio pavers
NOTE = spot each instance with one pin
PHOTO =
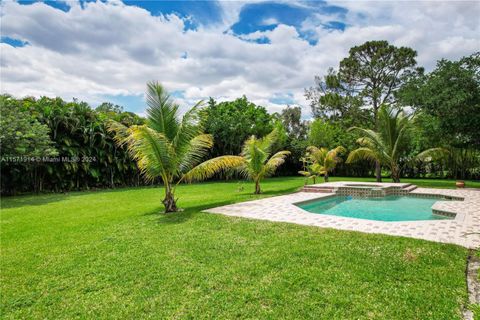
(463, 230)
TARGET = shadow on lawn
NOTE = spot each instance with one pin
(182, 216)
(186, 214)
(31, 200)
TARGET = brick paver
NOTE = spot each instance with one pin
(463, 230)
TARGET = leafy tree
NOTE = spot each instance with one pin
(321, 161)
(370, 76)
(167, 146)
(232, 122)
(451, 93)
(333, 99)
(256, 161)
(387, 145)
(21, 135)
(25, 144)
(323, 133)
(108, 107)
(291, 118)
(293, 131)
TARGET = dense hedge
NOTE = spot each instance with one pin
(80, 155)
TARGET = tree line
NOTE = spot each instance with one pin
(49, 144)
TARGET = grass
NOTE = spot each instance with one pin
(424, 183)
(109, 254)
(476, 307)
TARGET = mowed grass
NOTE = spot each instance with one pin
(110, 254)
(424, 183)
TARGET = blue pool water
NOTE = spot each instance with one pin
(389, 208)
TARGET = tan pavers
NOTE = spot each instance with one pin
(464, 230)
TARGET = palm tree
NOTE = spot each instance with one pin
(387, 145)
(321, 161)
(254, 163)
(167, 146)
(258, 163)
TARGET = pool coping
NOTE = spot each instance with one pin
(437, 207)
(460, 230)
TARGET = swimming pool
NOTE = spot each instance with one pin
(388, 208)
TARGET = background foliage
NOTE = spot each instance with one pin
(445, 104)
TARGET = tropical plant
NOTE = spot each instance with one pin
(167, 146)
(321, 161)
(459, 161)
(258, 163)
(254, 163)
(309, 170)
(387, 145)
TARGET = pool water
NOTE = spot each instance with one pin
(389, 208)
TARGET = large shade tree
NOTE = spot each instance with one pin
(386, 145)
(450, 94)
(169, 146)
(232, 122)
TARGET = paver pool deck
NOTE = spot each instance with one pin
(463, 230)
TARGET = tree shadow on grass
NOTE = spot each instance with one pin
(185, 214)
(189, 211)
(31, 200)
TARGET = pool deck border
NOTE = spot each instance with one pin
(463, 230)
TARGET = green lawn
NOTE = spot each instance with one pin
(425, 183)
(110, 254)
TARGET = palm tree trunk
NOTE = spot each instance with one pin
(395, 174)
(378, 171)
(378, 168)
(257, 187)
(169, 201)
(325, 177)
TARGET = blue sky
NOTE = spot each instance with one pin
(267, 50)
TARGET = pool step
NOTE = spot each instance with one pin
(318, 189)
(410, 188)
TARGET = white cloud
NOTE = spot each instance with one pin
(113, 49)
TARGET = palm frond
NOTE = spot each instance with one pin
(188, 129)
(274, 162)
(162, 111)
(198, 148)
(267, 142)
(305, 173)
(361, 154)
(152, 151)
(119, 130)
(433, 154)
(210, 167)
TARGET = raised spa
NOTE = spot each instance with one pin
(388, 208)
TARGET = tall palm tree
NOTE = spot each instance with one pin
(254, 163)
(321, 161)
(167, 146)
(387, 145)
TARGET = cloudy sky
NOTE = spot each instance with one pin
(269, 51)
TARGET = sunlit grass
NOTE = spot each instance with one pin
(109, 254)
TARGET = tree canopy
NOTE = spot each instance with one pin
(451, 94)
(232, 122)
